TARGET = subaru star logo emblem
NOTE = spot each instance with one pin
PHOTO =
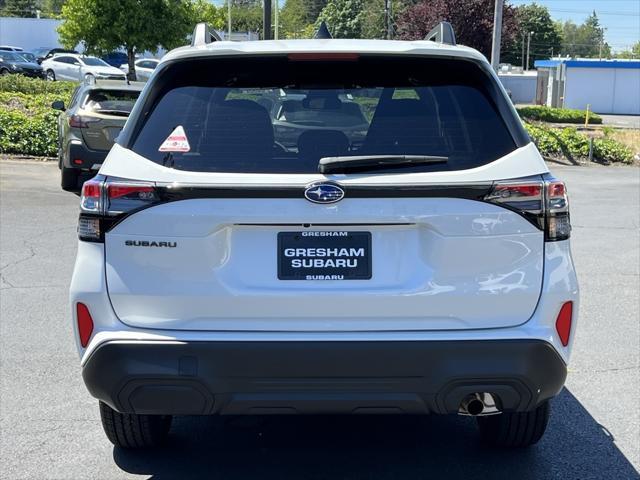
(324, 193)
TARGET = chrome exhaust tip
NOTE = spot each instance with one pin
(479, 404)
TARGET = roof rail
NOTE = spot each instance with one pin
(442, 33)
(323, 31)
(204, 34)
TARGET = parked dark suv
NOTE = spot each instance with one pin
(88, 127)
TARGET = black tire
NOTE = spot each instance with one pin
(129, 430)
(50, 76)
(4, 71)
(515, 429)
(69, 179)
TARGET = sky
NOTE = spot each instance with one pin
(621, 18)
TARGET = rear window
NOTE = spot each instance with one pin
(281, 115)
(111, 102)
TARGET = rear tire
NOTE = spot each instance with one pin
(515, 429)
(69, 179)
(129, 430)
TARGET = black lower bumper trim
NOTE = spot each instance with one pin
(321, 377)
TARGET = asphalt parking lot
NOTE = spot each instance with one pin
(50, 428)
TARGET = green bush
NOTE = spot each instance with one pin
(22, 84)
(573, 145)
(28, 124)
(557, 115)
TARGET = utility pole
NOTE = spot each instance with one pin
(523, 37)
(528, 47)
(266, 20)
(229, 12)
(275, 19)
(388, 19)
(497, 34)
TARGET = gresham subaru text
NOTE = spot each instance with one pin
(324, 227)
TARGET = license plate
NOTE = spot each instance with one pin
(324, 255)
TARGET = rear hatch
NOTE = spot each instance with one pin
(232, 231)
(104, 113)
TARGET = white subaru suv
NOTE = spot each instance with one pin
(421, 266)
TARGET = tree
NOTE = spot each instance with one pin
(51, 8)
(472, 22)
(134, 25)
(313, 9)
(246, 15)
(343, 17)
(633, 52)
(586, 40)
(204, 11)
(20, 8)
(546, 39)
(293, 18)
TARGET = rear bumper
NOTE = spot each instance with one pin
(91, 159)
(280, 377)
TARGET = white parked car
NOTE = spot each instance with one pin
(144, 68)
(66, 66)
(422, 268)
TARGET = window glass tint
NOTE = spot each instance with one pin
(112, 102)
(283, 116)
(10, 56)
(94, 62)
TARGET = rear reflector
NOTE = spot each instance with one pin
(563, 323)
(85, 324)
(77, 161)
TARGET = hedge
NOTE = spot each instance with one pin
(573, 145)
(28, 124)
(557, 115)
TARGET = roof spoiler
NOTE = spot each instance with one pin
(442, 33)
(204, 34)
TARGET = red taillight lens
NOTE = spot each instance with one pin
(544, 203)
(563, 323)
(85, 324)
(81, 121)
(118, 191)
(91, 196)
(104, 200)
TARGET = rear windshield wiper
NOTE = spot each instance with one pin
(373, 162)
(118, 113)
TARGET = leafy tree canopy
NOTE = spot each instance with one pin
(134, 25)
(586, 40)
(19, 8)
(633, 52)
(343, 17)
(546, 39)
(472, 22)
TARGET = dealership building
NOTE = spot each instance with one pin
(606, 86)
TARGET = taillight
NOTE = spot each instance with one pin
(82, 121)
(104, 201)
(543, 203)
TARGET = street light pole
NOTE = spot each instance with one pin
(229, 12)
(528, 47)
(275, 19)
(497, 34)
